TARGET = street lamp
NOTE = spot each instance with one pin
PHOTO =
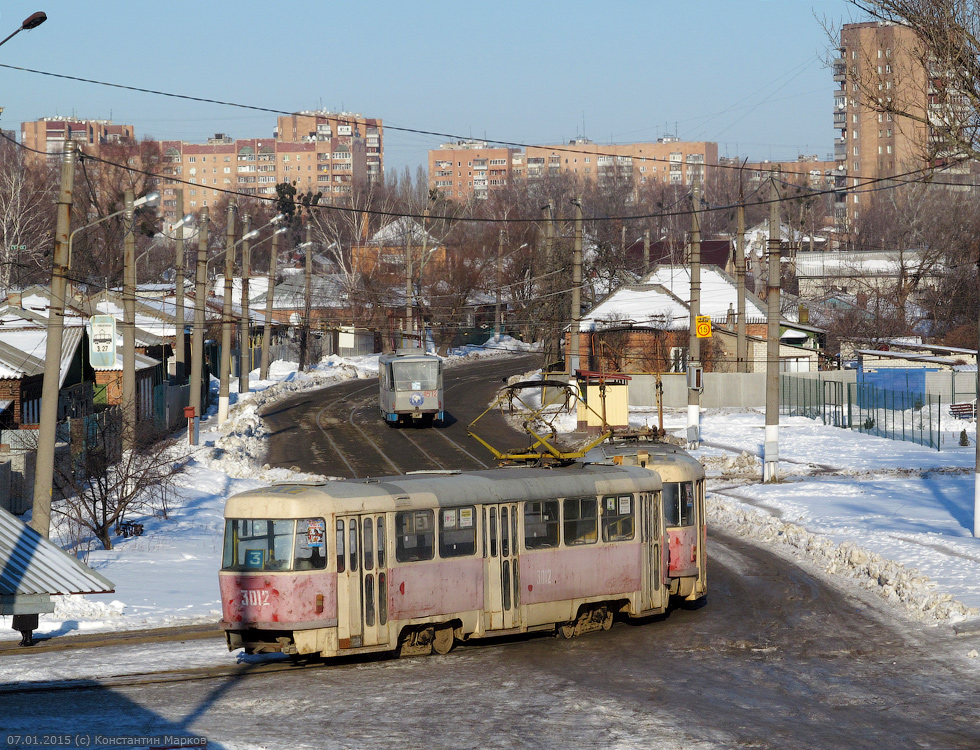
(31, 22)
(245, 350)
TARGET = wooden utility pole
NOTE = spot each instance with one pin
(770, 471)
(197, 333)
(694, 343)
(267, 327)
(129, 326)
(245, 348)
(573, 358)
(224, 389)
(54, 333)
(180, 369)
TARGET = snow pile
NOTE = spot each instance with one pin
(733, 465)
(906, 587)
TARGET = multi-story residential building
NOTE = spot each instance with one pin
(333, 131)
(465, 168)
(472, 168)
(318, 152)
(49, 134)
(877, 64)
(806, 170)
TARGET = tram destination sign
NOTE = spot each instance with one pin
(102, 341)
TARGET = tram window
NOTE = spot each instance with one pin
(369, 600)
(368, 544)
(341, 566)
(493, 532)
(311, 544)
(259, 544)
(504, 531)
(679, 503)
(457, 531)
(381, 542)
(352, 536)
(581, 520)
(415, 535)
(617, 518)
(541, 524)
(382, 598)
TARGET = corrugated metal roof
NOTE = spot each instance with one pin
(22, 352)
(30, 564)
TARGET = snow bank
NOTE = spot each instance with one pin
(906, 587)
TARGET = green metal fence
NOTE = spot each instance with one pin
(897, 415)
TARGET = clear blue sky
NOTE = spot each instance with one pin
(748, 74)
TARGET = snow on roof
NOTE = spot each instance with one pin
(718, 291)
(849, 263)
(646, 304)
(22, 351)
(395, 233)
(31, 565)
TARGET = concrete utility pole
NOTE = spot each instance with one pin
(694, 343)
(741, 343)
(646, 251)
(129, 326)
(770, 471)
(54, 332)
(409, 271)
(976, 469)
(197, 334)
(267, 327)
(550, 346)
(573, 350)
(224, 390)
(304, 354)
(180, 370)
(497, 320)
(245, 350)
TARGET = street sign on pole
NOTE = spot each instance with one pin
(102, 349)
(702, 326)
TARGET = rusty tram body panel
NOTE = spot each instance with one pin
(419, 562)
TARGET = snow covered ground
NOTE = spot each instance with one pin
(895, 516)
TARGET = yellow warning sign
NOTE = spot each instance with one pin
(702, 326)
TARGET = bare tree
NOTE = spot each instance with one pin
(26, 217)
(104, 485)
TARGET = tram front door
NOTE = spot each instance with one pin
(362, 581)
(501, 579)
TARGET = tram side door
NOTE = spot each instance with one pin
(501, 580)
(362, 581)
(652, 524)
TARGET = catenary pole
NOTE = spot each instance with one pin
(224, 389)
(267, 326)
(497, 320)
(180, 366)
(307, 298)
(54, 332)
(741, 342)
(576, 311)
(245, 348)
(770, 471)
(197, 334)
(129, 326)
(694, 343)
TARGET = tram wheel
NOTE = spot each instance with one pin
(443, 641)
(567, 629)
(607, 621)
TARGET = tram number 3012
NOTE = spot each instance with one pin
(255, 597)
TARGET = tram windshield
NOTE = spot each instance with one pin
(274, 544)
(416, 376)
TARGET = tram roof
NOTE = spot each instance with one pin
(425, 490)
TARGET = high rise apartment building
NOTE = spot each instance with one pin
(876, 61)
(48, 135)
(318, 152)
(472, 168)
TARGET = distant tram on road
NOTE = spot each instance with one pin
(410, 387)
(419, 562)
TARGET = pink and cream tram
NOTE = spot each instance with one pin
(420, 561)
